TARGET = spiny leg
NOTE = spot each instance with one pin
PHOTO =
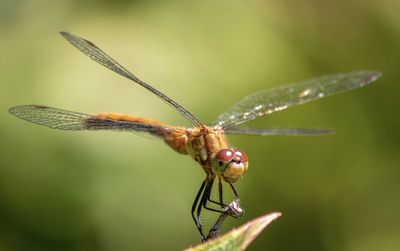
(233, 209)
(195, 202)
(204, 191)
(206, 195)
(220, 194)
(203, 201)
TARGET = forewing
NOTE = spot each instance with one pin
(75, 121)
(278, 131)
(96, 54)
(268, 101)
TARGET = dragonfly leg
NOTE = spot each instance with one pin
(220, 193)
(203, 195)
(233, 210)
(206, 195)
(234, 190)
(221, 200)
(195, 202)
(203, 200)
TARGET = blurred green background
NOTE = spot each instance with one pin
(117, 191)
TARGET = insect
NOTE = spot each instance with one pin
(206, 144)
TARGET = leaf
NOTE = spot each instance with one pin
(239, 238)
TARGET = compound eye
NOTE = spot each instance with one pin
(225, 155)
(241, 155)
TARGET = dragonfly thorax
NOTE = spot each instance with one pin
(230, 164)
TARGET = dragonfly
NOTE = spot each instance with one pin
(205, 144)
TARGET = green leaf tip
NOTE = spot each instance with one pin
(238, 238)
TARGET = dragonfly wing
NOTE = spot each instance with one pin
(268, 101)
(75, 121)
(279, 131)
(51, 117)
(99, 56)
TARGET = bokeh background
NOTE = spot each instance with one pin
(118, 191)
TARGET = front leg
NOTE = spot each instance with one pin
(234, 191)
(207, 194)
(220, 193)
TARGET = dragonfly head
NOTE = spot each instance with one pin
(230, 164)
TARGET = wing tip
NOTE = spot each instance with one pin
(16, 110)
(326, 131)
(375, 75)
(370, 75)
(11, 110)
(66, 34)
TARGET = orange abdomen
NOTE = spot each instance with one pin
(176, 137)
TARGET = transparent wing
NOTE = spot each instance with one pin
(51, 117)
(96, 54)
(279, 131)
(268, 101)
(75, 121)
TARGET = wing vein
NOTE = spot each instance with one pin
(99, 56)
(269, 101)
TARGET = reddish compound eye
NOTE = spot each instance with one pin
(230, 164)
(240, 154)
(225, 155)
